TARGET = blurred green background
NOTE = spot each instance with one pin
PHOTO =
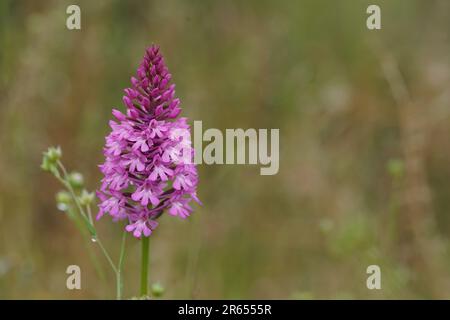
(364, 132)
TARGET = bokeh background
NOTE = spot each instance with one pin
(364, 121)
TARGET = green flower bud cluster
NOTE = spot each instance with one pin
(51, 158)
(75, 196)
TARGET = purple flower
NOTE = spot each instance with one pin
(180, 207)
(148, 154)
(148, 191)
(142, 226)
(113, 204)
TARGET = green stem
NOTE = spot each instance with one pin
(69, 187)
(144, 266)
(87, 240)
(106, 254)
(89, 211)
(120, 267)
(65, 182)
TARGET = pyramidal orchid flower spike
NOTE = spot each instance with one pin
(148, 168)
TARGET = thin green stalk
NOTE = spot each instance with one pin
(87, 240)
(69, 187)
(194, 251)
(113, 266)
(65, 182)
(120, 266)
(144, 266)
(89, 211)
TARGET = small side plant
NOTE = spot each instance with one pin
(76, 201)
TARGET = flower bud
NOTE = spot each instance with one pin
(157, 290)
(50, 159)
(76, 180)
(63, 200)
(63, 197)
(54, 154)
(47, 165)
(86, 197)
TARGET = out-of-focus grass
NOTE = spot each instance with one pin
(308, 68)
